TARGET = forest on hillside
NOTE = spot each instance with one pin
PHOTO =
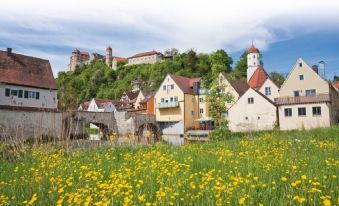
(98, 80)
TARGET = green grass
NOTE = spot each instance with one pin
(266, 168)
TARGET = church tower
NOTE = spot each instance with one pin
(253, 61)
(109, 56)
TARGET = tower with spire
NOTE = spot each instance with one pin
(253, 60)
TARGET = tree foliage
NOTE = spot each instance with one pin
(240, 69)
(277, 78)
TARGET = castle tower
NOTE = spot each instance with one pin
(109, 57)
(74, 59)
(253, 61)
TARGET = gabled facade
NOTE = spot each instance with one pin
(307, 100)
(176, 105)
(252, 112)
(262, 82)
(26, 82)
(236, 88)
(102, 105)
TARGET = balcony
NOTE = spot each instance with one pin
(163, 105)
(303, 99)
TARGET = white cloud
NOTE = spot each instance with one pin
(132, 25)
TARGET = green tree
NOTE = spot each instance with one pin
(240, 69)
(277, 78)
(220, 62)
(216, 100)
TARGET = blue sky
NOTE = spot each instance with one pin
(282, 30)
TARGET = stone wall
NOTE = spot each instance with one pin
(16, 124)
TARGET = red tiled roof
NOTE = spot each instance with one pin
(101, 103)
(85, 105)
(184, 83)
(258, 78)
(120, 59)
(26, 71)
(252, 49)
(141, 54)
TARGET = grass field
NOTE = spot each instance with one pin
(272, 168)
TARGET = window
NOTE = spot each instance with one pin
(301, 111)
(20, 94)
(171, 99)
(300, 64)
(7, 92)
(250, 100)
(172, 86)
(301, 77)
(310, 92)
(253, 56)
(316, 111)
(175, 99)
(164, 87)
(201, 99)
(37, 95)
(193, 113)
(162, 100)
(296, 93)
(31, 94)
(220, 80)
(268, 91)
(201, 110)
(288, 112)
(14, 92)
(26, 94)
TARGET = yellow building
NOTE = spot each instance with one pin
(307, 100)
(177, 105)
(234, 87)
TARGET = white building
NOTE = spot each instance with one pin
(307, 100)
(149, 57)
(253, 61)
(26, 82)
(252, 112)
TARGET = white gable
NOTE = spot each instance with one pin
(252, 112)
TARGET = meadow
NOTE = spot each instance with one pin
(268, 168)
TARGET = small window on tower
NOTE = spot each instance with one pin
(300, 64)
(254, 63)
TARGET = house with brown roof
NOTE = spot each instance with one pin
(176, 105)
(145, 103)
(129, 98)
(234, 87)
(307, 100)
(149, 57)
(26, 82)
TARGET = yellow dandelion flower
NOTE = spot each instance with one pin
(242, 201)
(284, 179)
(303, 177)
(299, 199)
(327, 202)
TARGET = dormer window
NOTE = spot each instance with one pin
(300, 64)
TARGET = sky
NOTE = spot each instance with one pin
(283, 30)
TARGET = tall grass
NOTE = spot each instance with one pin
(267, 168)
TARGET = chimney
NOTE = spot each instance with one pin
(9, 51)
(321, 69)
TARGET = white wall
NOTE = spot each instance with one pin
(253, 61)
(47, 98)
(274, 89)
(261, 115)
(304, 122)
